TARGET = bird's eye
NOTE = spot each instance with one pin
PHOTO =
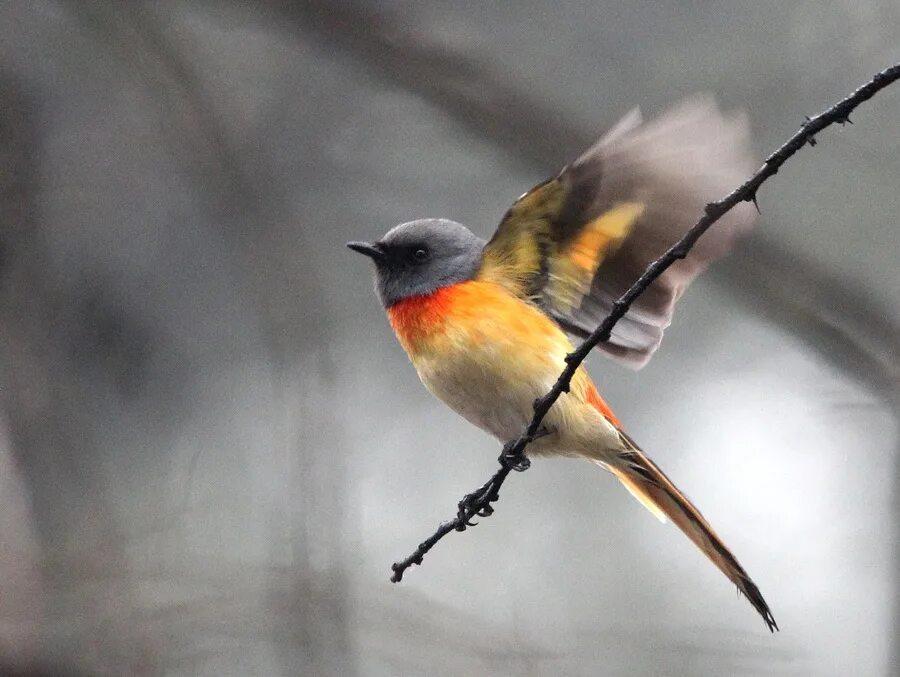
(419, 255)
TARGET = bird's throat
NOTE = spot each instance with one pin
(418, 319)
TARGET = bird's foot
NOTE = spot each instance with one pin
(478, 503)
(512, 459)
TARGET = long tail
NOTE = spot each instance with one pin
(648, 484)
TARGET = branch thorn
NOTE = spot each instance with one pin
(752, 198)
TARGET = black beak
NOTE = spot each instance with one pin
(371, 249)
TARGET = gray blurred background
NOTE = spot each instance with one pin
(212, 448)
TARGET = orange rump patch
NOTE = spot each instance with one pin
(593, 398)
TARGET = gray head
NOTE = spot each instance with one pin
(420, 257)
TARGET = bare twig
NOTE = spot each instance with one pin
(479, 502)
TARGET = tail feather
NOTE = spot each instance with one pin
(647, 483)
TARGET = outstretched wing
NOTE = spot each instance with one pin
(576, 242)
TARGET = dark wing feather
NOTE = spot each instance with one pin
(576, 242)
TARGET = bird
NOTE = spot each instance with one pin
(488, 324)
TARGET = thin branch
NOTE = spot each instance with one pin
(479, 502)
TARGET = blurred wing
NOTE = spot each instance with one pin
(548, 247)
(575, 243)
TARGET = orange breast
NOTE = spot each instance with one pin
(466, 313)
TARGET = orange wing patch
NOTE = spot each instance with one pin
(602, 233)
(573, 270)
